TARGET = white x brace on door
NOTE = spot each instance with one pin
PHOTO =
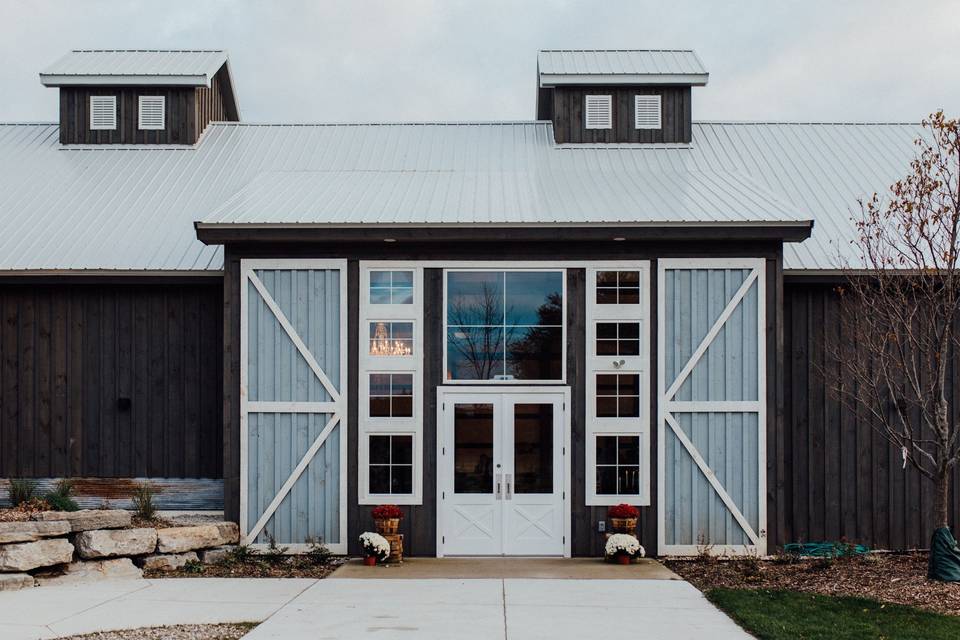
(293, 403)
(712, 445)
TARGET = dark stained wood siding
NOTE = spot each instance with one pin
(70, 352)
(568, 119)
(188, 112)
(841, 478)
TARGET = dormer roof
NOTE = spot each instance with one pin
(557, 67)
(124, 67)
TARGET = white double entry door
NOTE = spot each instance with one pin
(502, 473)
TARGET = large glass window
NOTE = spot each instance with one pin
(391, 464)
(504, 325)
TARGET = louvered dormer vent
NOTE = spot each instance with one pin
(151, 113)
(103, 113)
(647, 112)
(598, 111)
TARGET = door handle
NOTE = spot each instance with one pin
(508, 495)
(499, 480)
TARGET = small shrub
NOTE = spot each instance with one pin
(317, 553)
(193, 566)
(274, 552)
(22, 491)
(143, 501)
(61, 498)
(240, 554)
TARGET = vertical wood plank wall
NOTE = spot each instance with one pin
(841, 478)
(568, 120)
(70, 352)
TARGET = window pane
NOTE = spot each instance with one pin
(475, 353)
(606, 449)
(606, 385)
(402, 295)
(607, 330)
(391, 338)
(628, 407)
(535, 353)
(402, 278)
(606, 407)
(606, 347)
(379, 384)
(402, 478)
(606, 278)
(628, 278)
(402, 384)
(474, 298)
(628, 384)
(380, 279)
(379, 407)
(629, 347)
(379, 449)
(629, 295)
(402, 449)
(379, 479)
(379, 296)
(534, 297)
(533, 448)
(606, 480)
(473, 448)
(629, 480)
(402, 407)
(628, 450)
(606, 296)
(629, 330)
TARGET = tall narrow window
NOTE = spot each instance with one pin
(618, 393)
(598, 112)
(103, 113)
(152, 114)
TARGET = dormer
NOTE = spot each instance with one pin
(618, 96)
(141, 97)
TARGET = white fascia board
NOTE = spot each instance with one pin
(556, 80)
(51, 80)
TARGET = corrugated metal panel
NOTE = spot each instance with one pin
(138, 62)
(619, 62)
(133, 209)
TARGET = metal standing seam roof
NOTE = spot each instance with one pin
(559, 66)
(161, 66)
(121, 208)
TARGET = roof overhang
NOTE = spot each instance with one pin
(229, 233)
(580, 79)
(122, 80)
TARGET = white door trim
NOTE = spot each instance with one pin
(666, 405)
(444, 391)
(337, 407)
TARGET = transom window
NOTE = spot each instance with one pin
(618, 338)
(391, 287)
(618, 287)
(391, 338)
(504, 325)
(618, 465)
(618, 395)
(391, 395)
(391, 464)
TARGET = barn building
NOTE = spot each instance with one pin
(504, 327)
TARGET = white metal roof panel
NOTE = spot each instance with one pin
(133, 209)
(118, 66)
(592, 66)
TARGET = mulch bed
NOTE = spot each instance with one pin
(175, 632)
(256, 567)
(887, 577)
(23, 512)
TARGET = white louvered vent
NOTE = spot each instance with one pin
(647, 112)
(599, 112)
(152, 112)
(103, 113)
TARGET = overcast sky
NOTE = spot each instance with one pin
(364, 61)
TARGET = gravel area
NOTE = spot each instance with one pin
(176, 632)
(23, 512)
(887, 577)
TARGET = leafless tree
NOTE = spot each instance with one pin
(901, 311)
(478, 321)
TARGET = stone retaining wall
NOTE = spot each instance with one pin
(59, 547)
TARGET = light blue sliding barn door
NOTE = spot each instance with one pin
(712, 407)
(293, 402)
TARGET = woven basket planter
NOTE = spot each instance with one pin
(387, 526)
(624, 525)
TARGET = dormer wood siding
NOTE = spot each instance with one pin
(565, 107)
(188, 112)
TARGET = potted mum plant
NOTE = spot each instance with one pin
(623, 518)
(623, 548)
(375, 548)
(386, 517)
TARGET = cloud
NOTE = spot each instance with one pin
(366, 60)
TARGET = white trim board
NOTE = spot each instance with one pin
(667, 405)
(338, 417)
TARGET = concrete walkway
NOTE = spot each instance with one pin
(566, 599)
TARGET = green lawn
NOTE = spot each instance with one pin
(788, 615)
